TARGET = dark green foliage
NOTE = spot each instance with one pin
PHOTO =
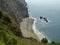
(1, 14)
(3, 37)
(44, 40)
(0, 28)
(16, 31)
(6, 39)
(6, 20)
(53, 42)
(12, 42)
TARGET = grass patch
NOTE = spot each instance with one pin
(34, 36)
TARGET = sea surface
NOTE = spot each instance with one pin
(49, 9)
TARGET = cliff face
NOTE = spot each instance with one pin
(18, 12)
(16, 8)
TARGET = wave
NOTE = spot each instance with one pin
(36, 31)
(39, 34)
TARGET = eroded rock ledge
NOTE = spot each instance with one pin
(26, 27)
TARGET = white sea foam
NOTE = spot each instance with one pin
(39, 34)
(36, 31)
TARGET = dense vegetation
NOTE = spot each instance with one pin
(9, 34)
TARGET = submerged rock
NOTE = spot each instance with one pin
(45, 19)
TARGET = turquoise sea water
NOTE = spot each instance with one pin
(51, 10)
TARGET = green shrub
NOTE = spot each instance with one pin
(3, 37)
(16, 31)
(12, 41)
(0, 28)
(6, 20)
(44, 40)
(1, 14)
(53, 42)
